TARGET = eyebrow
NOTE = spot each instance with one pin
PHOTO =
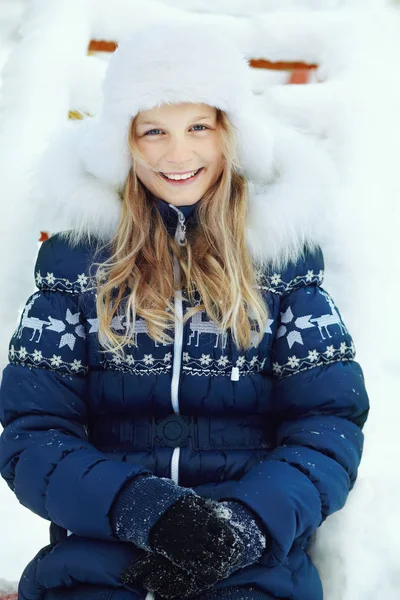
(201, 118)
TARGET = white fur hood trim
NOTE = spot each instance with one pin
(283, 215)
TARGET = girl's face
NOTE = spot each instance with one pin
(179, 139)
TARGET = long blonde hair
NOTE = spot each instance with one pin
(137, 279)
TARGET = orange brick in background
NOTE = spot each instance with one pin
(8, 596)
(101, 46)
(261, 63)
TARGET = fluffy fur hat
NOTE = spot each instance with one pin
(78, 181)
(172, 63)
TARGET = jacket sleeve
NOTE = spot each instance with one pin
(45, 456)
(320, 407)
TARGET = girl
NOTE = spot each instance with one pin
(181, 401)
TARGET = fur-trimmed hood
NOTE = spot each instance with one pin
(285, 213)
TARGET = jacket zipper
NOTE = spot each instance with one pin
(180, 238)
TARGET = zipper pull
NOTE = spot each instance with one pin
(235, 374)
(180, 233)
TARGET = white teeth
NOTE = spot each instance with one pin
(178, 177)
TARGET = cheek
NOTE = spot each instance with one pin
(214, 155)
(149, 152)
(144, 170)
(216, 163)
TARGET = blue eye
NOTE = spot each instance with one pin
(152, 130)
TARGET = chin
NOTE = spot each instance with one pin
(185, 201)
(187, 197)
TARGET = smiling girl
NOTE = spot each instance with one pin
(182, 400)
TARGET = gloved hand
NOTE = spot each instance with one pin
(206, 538)
(199, 539)
(139, 505)
(246, 527)
(156, 573)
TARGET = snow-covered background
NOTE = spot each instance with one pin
(352, 106)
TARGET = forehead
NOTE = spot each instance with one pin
(179, 112)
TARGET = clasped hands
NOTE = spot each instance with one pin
(194, 544)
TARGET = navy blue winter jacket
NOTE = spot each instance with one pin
(277, 428)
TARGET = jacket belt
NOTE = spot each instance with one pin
(120, 434)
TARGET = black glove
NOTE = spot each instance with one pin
(156, 573)
(194, 536)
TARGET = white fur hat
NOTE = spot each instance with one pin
(173, 63)
(78, 180)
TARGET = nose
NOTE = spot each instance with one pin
(179, 153)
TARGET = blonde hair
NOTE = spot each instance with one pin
(137, 279)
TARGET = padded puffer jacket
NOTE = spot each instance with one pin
(277, 428)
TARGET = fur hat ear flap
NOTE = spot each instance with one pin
(66, 195)
(104, 150)
(256, 145)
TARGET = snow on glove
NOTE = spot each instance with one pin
(198, 538)
(251, 534)
(156, 573)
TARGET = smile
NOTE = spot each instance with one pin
(182, 179)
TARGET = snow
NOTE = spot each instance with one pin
(355, 114)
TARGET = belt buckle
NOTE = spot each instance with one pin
(173, 431)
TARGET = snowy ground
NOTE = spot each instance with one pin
(356, 112)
